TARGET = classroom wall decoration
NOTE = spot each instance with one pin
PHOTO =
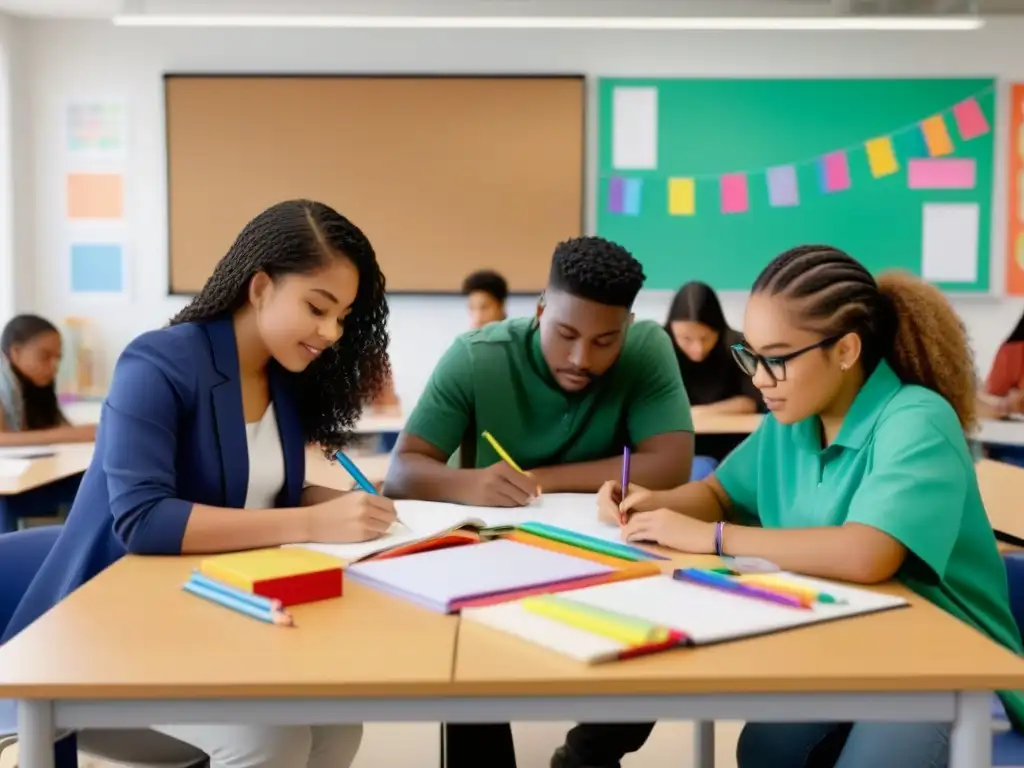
(1015, 188)
(710, 179)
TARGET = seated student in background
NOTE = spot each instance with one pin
(1003, 393)
(486, 292)
(201, 447)
(30, 352)
(703, 341)
(861, 474)
(562, 392)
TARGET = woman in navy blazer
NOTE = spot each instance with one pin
(201, 445)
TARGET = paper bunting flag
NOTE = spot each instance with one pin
(782, 186)
(881, 157)
(616, 193)
(681, 197)
(936, 136)
(631, 197)
(970, 120)
(735, 198)
(834, 172)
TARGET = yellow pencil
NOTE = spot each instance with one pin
(501, 452)
(623, 629)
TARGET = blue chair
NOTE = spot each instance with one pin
(702, 467)
(21, 555)
(1008, 746)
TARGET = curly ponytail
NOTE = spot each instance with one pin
(899, 318)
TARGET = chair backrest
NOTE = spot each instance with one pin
(1015, 577)
(21, 555)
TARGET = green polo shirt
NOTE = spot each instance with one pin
(900, 464)
(496, 379)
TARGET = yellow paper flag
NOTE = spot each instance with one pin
(881, 157)
(681, 197)
(936, 136)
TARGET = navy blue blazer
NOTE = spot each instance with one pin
(172, 435)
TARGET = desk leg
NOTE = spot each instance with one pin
(970, 742)
(36, 733)
(704, 744)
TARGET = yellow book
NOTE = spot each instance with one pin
(289, 575)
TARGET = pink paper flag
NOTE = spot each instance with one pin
(834, 172)
(970, 120)
(942, 173)
(734, 193)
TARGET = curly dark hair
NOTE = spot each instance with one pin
(488, 281)
(596, 269)
(898, 317)
(297, 237)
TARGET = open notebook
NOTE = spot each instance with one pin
(440, 579)
(699, 614)
(431, 525)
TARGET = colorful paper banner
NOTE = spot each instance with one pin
(734, 193)
(631, 197)
(936, 136)
(834, 172)
(881, 157)
(970, 119)
(681, 197)
(782, 186)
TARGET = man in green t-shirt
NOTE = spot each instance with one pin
(562, 393)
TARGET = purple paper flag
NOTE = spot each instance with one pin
(834, 172)
(782, 186)
(616, 194)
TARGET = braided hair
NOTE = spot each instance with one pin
(596, 269)
(899, 318)
(298, 237)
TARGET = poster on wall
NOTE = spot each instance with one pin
(96, 127)
(1015, 196)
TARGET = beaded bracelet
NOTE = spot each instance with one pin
(719, 530)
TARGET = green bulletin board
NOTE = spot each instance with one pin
(710, 179)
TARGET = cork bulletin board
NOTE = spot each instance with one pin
(445, 174)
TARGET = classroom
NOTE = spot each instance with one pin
(512, 383)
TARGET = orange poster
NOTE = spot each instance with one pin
(95, 196)
(1015, 181)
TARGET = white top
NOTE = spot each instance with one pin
(266, 462)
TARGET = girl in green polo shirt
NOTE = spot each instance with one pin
(861, 473)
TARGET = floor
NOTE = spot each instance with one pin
(415, 746)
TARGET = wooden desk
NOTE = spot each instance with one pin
(1002, 490)
(68, 460)
(717, 424)
(910, 664)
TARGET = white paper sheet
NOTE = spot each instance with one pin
(14, 467)
(950, 242)
(635, 128)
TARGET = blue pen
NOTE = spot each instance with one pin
(353, 470)
(278, 618)
(258, 601)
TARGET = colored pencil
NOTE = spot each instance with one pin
(717, 581)
(501, 452)
(277, 618)
(361, 480)
(623, 517)
(773, 582)
(594, 544)
(614, 626)
(257, 601)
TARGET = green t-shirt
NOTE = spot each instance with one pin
(496, 379)
(900, 464)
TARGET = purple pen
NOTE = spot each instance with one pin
(625, 481)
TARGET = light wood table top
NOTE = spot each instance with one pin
(915, 649)
(718, 424)
(1002, 490)
(132, 632)
(68, 460)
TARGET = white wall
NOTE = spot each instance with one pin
(65, 59)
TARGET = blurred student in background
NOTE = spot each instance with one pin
(485, 292)
(30, 352)
(1003, 393)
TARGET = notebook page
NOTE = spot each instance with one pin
(572, 511)
(711, 615)
(443, 575)
(420, 520)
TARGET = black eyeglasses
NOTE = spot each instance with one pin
(748, 360)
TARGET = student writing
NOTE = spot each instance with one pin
(30, 352)
(201, 447)
(562, 393)
(862, 473)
